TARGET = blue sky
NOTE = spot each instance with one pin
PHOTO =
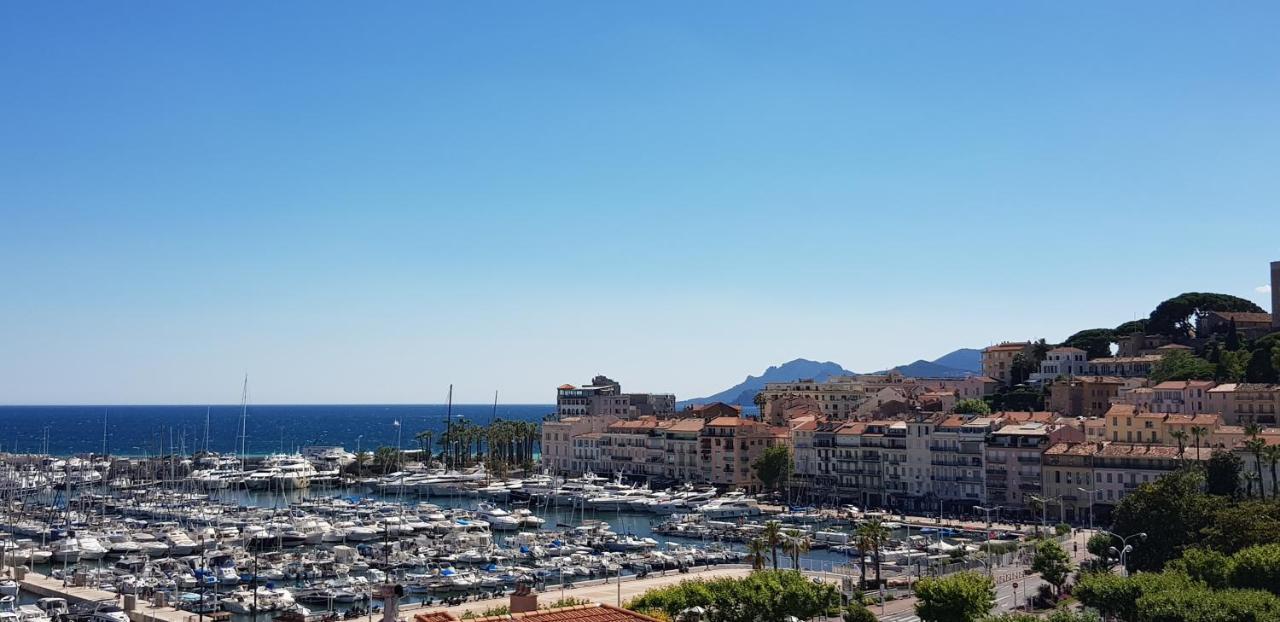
(362, 202)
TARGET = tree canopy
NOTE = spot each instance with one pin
(773, 466)
(1095, 341)
(1182, 365)
(1053, 563)
(972, 406)
(765, 596)
(960, 597)
(1171, 511)
(1177, 316)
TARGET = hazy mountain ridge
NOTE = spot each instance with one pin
(957, 364)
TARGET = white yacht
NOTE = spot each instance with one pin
(497, 517)
(732, 505)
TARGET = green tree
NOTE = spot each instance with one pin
(424, 443)
(1177, 316)
(766, 596)
(972, 406)
(960, 597)
(1222, 472)
(1233, 336)
(1238, 526)
(857, 612)
(1181, 365)
(1053, 564)
(1204, 565)
(1264, 366)
(1134, 327)
(1099, 545)
(756, 549)
(387, 459)
(1256, 445)
(1171, 511)
(1271, 454)
(1096, 342)
(874, 533)
(773, 536)
(773, 466)
(1257, 567)
(796, 545)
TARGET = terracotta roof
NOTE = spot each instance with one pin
(434, 616)
(729, 422)
(566, 387)
(1121, 410)
(686, 425)
(1007, 346)
(1243, 316)
(1125, 450)
(852, 428)
(1021, 417)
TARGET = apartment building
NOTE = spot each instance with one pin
(863, 396)
(957, 450)
(1124, 366)
(680, 443)
(557, 446)
(1176, 396)
(728, 446)
(1078, 476)
(1062, 361)
(1084, 396)
(634, 447)
(1245, 403)
(1014, 454)
(997, 360)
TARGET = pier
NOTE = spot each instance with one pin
(45, 587)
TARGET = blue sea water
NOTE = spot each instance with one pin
(151, 430)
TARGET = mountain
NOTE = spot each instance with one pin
(743, 392)
(957, 364)
(967, 359)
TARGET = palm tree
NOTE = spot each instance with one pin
(773, 536)
(1249, 479)
(797, 545)
(755, 552)
(1255, 446)
(759, 400)
(1198, 431)
(876, 534)
(362, 457)
(424, 442)
(862, 540)
(1181, 436)
(1272, 454)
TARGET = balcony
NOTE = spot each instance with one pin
(942, 448)
(1029, 459)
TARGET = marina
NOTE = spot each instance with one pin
(304, 533)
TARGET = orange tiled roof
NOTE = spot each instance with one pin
(1005, 347)
(566, 387)
(692, 424)
(728, 422)
(1243, 316)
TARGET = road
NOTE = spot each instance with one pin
(1007, 597)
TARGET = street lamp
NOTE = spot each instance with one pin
(1092, 495)
(1126, 548)
(1044, 508)
(987, 543)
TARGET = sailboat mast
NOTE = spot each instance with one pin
(104, 431)
(207, 410)
(448, 427)
(244, 414)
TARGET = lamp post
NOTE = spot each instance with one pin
(1092, 495)
(1125, 547)
(987, 543)
(1044, 508)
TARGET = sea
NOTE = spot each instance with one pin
(156, 430)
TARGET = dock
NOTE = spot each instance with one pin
(48, 587)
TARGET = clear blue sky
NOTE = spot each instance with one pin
(363, 202)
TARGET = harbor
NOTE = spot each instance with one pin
(252, 539)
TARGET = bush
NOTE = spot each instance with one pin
(961, 597)
(856, 612)
(1062, 529)
(1257, 567)
(765, 595)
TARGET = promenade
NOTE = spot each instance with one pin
(595, 591)
(44, 586)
